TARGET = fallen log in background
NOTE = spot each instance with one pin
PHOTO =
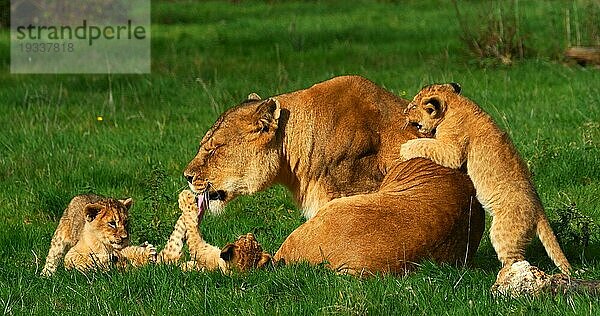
(560, 283)
(584, 55)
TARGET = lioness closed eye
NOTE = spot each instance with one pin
(462, 132)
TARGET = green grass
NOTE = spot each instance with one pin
(207, 57)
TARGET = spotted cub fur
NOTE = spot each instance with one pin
(244, 254)
(94, 231)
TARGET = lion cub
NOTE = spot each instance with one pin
(462, 132)
(95, 230)
(244, 254)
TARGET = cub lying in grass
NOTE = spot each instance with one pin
(243, 254)
(95, 230)
(464, 132)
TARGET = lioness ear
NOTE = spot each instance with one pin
(253, 97)
(266, 116)
(128, 202)
(227, 252)
(434, 106)
(91, 211)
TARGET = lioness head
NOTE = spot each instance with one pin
(107, 219)
(427, 108)
(239, 154)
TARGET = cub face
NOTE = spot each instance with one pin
(245, 253)
(239, 154)
(428, 107)
(108, 220)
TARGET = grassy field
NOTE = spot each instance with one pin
(207, 57)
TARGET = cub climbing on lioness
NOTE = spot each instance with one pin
(461, 131)
(94, 229)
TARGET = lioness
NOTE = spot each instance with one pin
(336, 147)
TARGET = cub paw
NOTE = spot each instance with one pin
(191, 266)
(187, 200)
(406, 150)
(150, 252)
(46, 273)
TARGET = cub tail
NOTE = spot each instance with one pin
(548, 239)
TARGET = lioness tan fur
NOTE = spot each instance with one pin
(465, 133)
(336, 146)
(94, 229)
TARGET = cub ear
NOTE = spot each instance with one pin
(91, 211)
(227, 252)
(128, 202)
(456, 87)
(265, 258)
(434, 106)
(266, 116)
(253, 97)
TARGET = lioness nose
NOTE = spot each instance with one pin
(188, 177)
